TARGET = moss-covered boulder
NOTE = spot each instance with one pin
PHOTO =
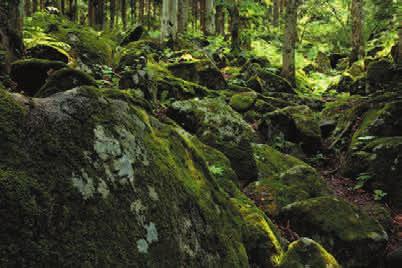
(282, 180)
(138, 52)
(355, 239)
(241, 102)
(89, 178)
(349, 84)
(48, 52)
(307, 253)
(219, 126)
(375, 146)
(133, 35)
(64, 79)
(383, 75)
(202, 72)
(266, 81)
(88, 47)
(31, 74)
(158, 84)
(323, 62)
(379, 164)
(298, 124)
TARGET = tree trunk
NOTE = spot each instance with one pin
(275, 15)
(289, 42)
(91, 13)
(182, 16)
(195, 13)
(74, 11)
(112, 10)
(28, 8)
(62, 7)
(123, 10)
(234, 28)
(399, 54)
(141, 8)
(220, 20)
(132, 11)
(149, 14)
(357, 31)
(11, 24)
(202, 16)
(169, 20)
(209, 17)
(34, 6)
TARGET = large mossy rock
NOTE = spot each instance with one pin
(89, 178)
(375, 149)
(31, 74)
(379, 160)
(63, 80)
(354, 238)
(297, 124)
(219, 126)
(383, 75)
(202, 72)
(87, 46)
(133, 35)
(282, 180)
(242, 102)
(136, 53)
(159, 85)
(265, 82)
(307, 253)
(48, 52)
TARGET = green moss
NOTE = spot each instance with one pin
(243, 101)
(379, 157)
(12, 118)
(349, 234)
(297, 124)
(111, 185)
(64, 79)
(219, 126)
(31, 74)
(283, 179)
(306, 252)
(86, 43)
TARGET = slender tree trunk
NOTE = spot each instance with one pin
(132, 11)
(123, 11)
(195, 13)
(169, 20)
(34, 6)
(357, 31)
(234, 28)
(289, 41)
(141, 11)
(183, 16)
(399, 55)
(220, 20)
(91, 13)
(210, 17)
(149, 14)
(275, 15)
(203, 16)
(62, 7)
(11, 24)
(75, 11)
(112, 11)
(28, 8)
(42, 4)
